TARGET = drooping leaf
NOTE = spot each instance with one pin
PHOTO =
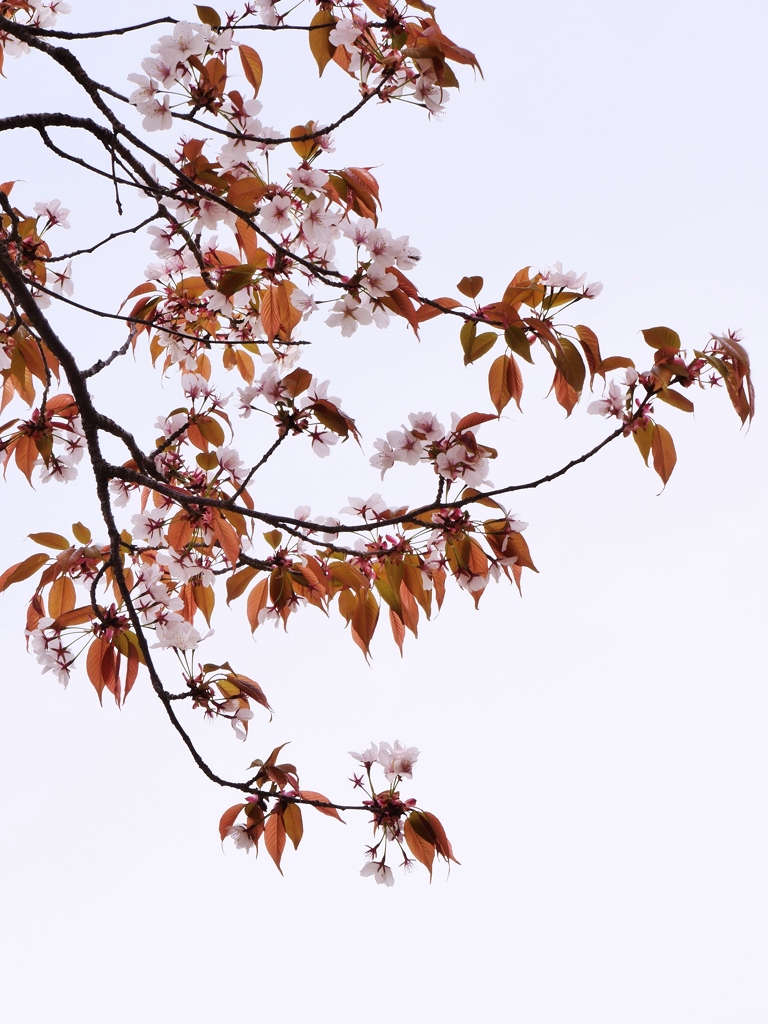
(294, 826)
(663, 452)
(643, 437)
(421, 848)
(257, 600)
(322, 48)
(274, 837)
(61, 597)
(228, 819)
(253, 69)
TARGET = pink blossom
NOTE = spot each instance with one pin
(555, 277)
(177, 633)
(149, 529)
(275, 215)
(384, 459)
(60, 281)
(397, 760)
(405, 446)
(55, 213)
(239, 833)
(348, 314)
(322, 441)
(157, 116)
(368, 508)
(380, 872)
(426, 423)
(308, 178)
(344, 33)
(367, 757)
(613, 405)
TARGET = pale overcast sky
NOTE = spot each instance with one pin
(595, 750)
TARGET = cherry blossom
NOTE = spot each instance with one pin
(349, 313)
(344, 33)
(274, 217)
(555, 277)
(613, 405)
(54, 211)
(397, 760)
(380, 871)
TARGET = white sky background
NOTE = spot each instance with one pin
(595, 750)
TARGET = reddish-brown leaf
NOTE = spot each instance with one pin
(398, 629)
(61, 597)
(228, 819)
(294, 826)
(364, 620)
(663, 452)
(257, 600)
(22, 570)
(473, 419)
(331, 812)
(237, 584)
(591, 347)
(252, 66)
(421, 848)
(470, 286)
(274, 837)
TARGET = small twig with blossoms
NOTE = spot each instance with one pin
(254, 232)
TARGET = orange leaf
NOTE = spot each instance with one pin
(51, 540)
(309, 794)
(294, 826)
(320, 44)
(473, 419)
(228, 819)
(274, 837)
(663, 452)
(61, 597)
(252, 66)
(22, 570)
(257, 600)
(270, 312)
(364, 620)
(422, 849)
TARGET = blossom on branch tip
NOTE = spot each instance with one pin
(55, 213)
(367, 757)
(556, 277)
(397, 760)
